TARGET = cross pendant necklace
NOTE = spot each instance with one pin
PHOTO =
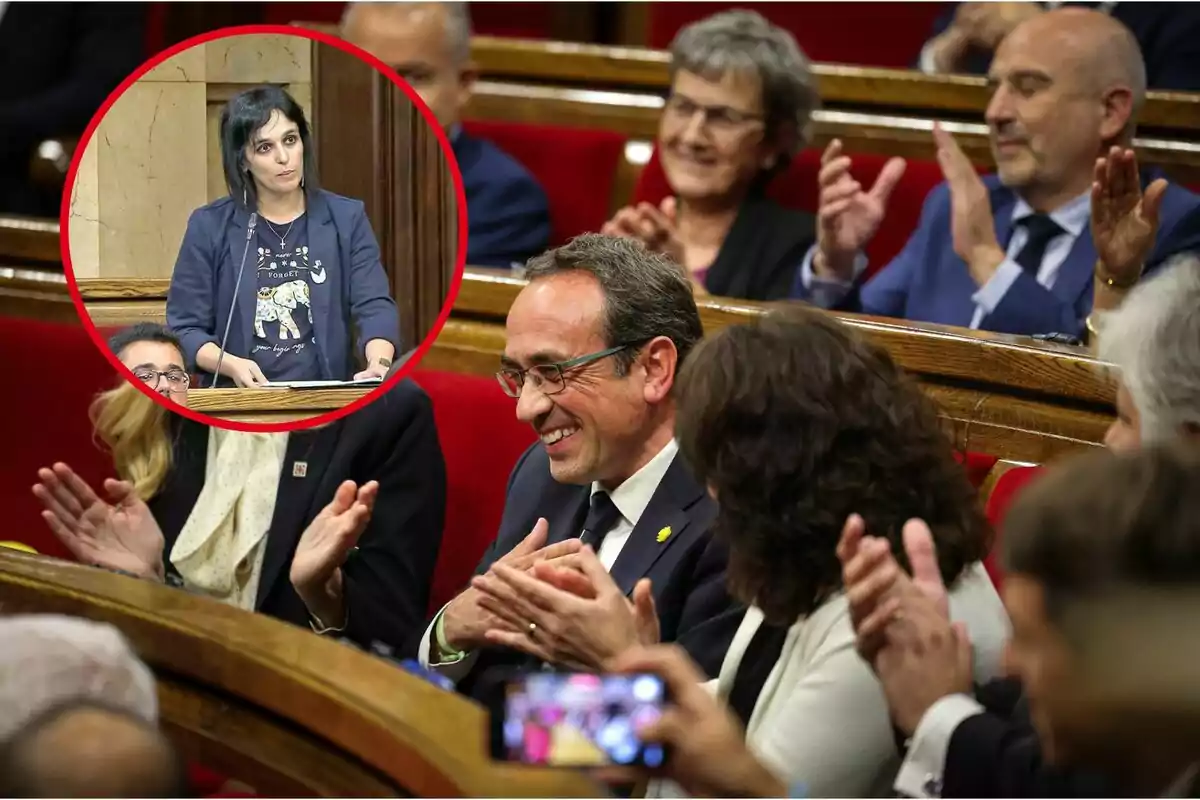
(282, 244)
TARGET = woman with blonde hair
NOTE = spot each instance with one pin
(336, 527)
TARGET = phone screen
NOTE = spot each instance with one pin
(577, 720)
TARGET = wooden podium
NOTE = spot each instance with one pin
(272, 405)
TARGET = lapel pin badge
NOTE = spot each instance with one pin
(663, 534)
(300, 469)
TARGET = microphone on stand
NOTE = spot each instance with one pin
(236, 286)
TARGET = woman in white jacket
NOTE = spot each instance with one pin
(794, 422)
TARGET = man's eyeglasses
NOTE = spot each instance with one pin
(177, 379)
(549, 378)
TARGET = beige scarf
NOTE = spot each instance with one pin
(220, 550)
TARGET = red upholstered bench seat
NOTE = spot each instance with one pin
(577, 168)
(51, 373)
(481, 441)
(1007, 487)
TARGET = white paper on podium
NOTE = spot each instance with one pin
(323, 384)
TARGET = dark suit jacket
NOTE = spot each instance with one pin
(928, 282)
(687, 569)
(355, 291)
(762, 252)
(508, 215)
(1168, 33)
(997, 754)
(387, 579)
(60, 62)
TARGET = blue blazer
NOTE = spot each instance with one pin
(927, 282)
(201, 293)
(508, 216)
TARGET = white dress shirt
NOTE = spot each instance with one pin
(630, 498)
(1072, 217)
(821, 720)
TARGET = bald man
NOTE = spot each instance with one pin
(429, 45)
(85, 749)
(1017, 252)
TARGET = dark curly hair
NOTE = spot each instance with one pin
(796, 421)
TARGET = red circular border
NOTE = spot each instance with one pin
(413, 361)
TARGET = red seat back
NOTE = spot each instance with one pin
(52, 372)
(867, 34)
(999, 501)
(797, 188)
(481, 441)
(577, 168)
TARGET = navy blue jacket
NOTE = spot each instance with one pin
(508, 216)
(928, 282)
(201, 293)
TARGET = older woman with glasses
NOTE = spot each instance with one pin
(739, 106)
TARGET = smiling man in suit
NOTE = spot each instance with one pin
(1020, 251)
(592, 349)
(429, 45)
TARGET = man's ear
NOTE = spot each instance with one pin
(1118, 112)
(658, 359)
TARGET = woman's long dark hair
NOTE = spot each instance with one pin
(797, 422)
(244, 114)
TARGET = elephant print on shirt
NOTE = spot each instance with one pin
(276, 304)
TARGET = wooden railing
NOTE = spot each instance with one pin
(32, 283)
(1011, 397)
(886, 112)
(278, 707)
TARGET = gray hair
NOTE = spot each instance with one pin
(1153, 340)
(744, 41)
(47, 660)
(645, 294)
(458, 23)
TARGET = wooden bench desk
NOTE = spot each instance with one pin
(277, 707)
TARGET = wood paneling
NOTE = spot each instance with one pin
(271, 405)
(375, 145)
(278, 707)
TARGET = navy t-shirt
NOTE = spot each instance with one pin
(284, 340)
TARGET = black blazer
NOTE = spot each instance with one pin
(762, 252)
(997, 754)
(387, 579)
(687, 570)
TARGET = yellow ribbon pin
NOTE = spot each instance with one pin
(663, 534)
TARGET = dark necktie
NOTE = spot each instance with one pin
(1042, 231)
(601, 517)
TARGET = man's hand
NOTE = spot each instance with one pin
(122, 535)
(1124, 220)
(848, 217)
(569, 628)
(972, 226)
(931, 659)
(465, 623)
(656, 228)
(316, 571)
(709, 757)
(986, 24)
(902, 624)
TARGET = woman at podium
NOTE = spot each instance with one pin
(272, 279)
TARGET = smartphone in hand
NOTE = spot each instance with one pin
(574, 719)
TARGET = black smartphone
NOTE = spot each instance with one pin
(574, 719)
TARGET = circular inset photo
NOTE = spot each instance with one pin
(265, 228)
